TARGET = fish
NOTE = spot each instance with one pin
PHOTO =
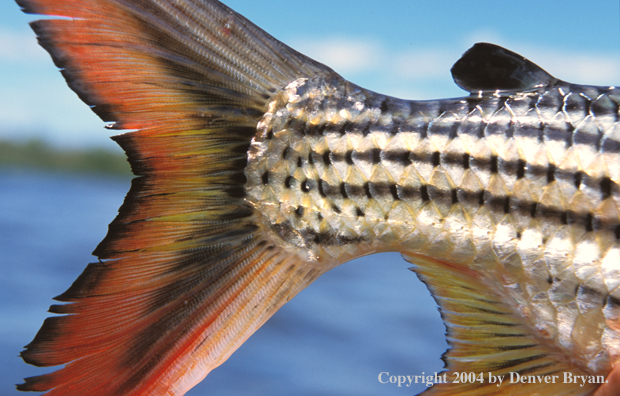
(259, 169)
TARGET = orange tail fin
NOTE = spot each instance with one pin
(186, 272)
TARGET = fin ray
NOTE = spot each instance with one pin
(187, 272)
(486, 338)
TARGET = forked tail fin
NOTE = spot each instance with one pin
(186, 272)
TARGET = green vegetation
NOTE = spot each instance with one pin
(38, 155)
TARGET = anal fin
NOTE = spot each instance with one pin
(487, 341)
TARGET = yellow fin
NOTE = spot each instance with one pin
(487, 341)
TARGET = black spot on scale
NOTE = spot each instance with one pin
(589, 222)
(424, 193)
(343, 191)
(359, 212)
(288, 181)
(285, 152)
(617, 232)
(305, 186)
(605, 187)
(465, 161)
(349, 157)
(549, 279)
(507, 205)
(436, 158)
(394, 192)
(376, 156)
(326, 159)
(533, 208)
(336, 209)
(577, 178)
(564, 218)
(520, 169)
(310, 159)
(299, 212)
(481, 198)
(299, 162)
(367, 190)
(550, 174)
(265, 178)
(320, 188)
(494, 164)
(345, 127)
(454, 196)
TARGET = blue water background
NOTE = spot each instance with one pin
(365, 317)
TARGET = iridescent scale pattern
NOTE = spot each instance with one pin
(522, 187)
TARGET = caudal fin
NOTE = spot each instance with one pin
(186, 272)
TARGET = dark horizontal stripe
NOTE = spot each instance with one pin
(497, 204)
(328, 238)
(610, 145)
(494, 164)
(372, 156)
(322, 129)
(399, 156)
(555, 134)
(353, 190)
(456, 159)
(342, 157)
(434, 118)
(605, 106)
(588, 139)
(424, 157)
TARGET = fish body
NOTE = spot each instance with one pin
(505, 188)
(260, 169)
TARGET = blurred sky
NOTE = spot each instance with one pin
(400, 48)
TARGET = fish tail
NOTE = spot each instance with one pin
(187, 271)
(492, 352)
